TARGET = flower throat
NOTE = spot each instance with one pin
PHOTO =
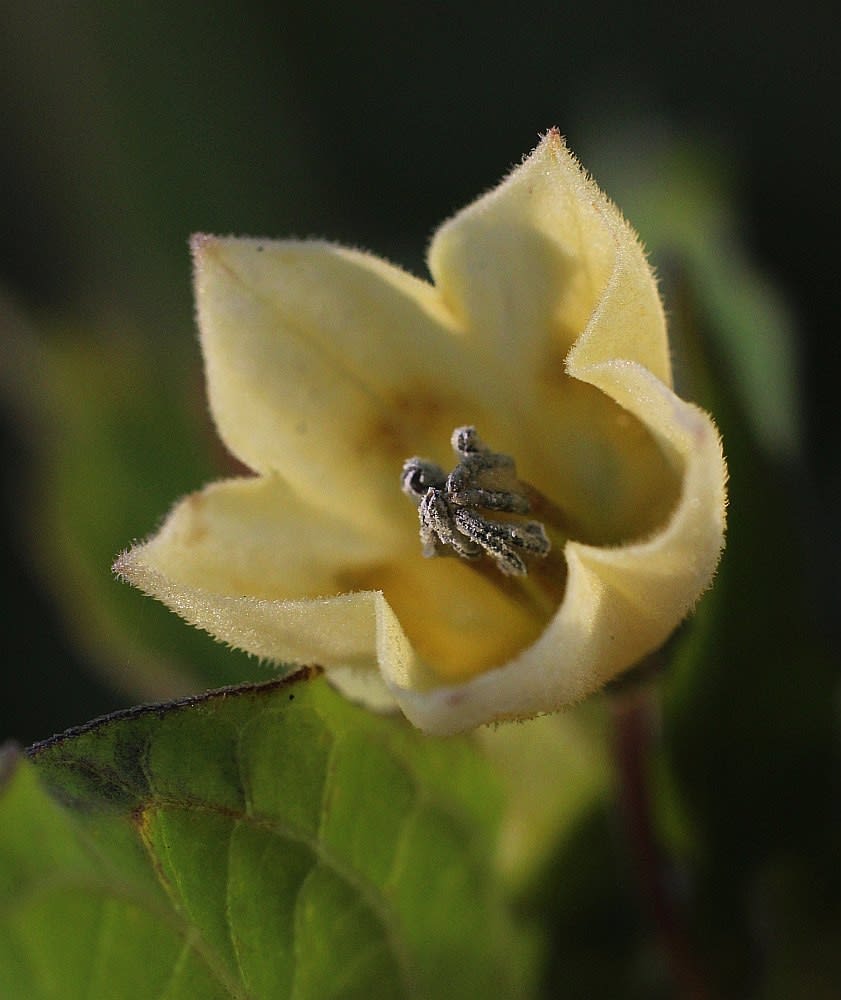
(454, 510)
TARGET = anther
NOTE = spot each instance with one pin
(450, 506)
(418, 476)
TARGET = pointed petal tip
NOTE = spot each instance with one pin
(121, 567)
(552, 141)
(200, 241)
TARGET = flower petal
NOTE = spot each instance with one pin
(525, 266)
(327, 365)
(255, 537)
(240, 558)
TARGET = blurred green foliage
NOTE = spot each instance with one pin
(131, 127)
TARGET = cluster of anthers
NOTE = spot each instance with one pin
(449, 506)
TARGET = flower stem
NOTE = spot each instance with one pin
(634, 708)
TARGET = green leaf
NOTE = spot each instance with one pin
(263, 841)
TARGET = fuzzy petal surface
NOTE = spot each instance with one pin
(327, 368)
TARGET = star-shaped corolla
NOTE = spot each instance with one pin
(327, 368)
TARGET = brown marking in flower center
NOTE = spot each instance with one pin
(197, 525)
(415, 414)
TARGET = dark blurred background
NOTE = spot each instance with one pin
(128, 126)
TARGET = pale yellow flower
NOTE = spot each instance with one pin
(327, 368)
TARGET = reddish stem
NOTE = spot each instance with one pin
(634, 712)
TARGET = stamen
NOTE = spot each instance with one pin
(452, 510)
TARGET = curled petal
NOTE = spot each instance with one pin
(620, 602)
